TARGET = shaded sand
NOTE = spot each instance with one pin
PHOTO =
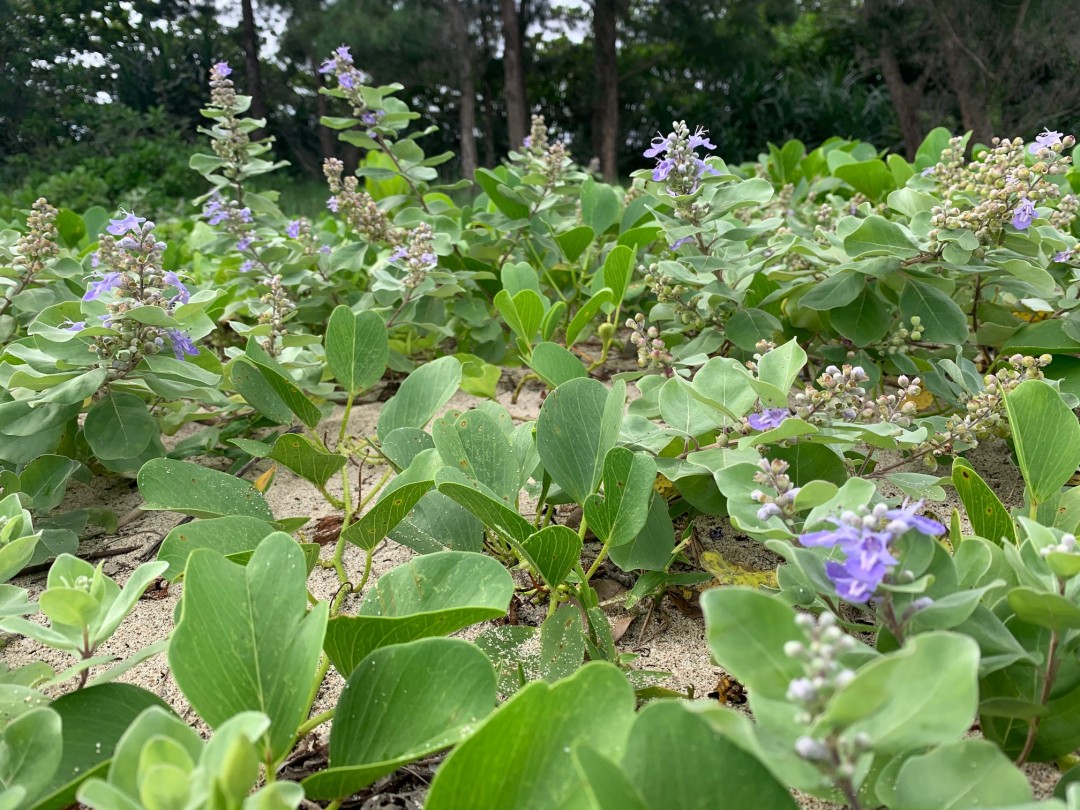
(669, 639)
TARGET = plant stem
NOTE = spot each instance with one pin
(308, 726)
(345, 418)
(367, 571)
(1048, 684)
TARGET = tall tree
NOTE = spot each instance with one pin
(251, 61)
(463, 50)
(606, 98)
(517, 113)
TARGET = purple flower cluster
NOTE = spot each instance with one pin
(341, 65)
(292, 230)
(677, 161)
(866, 538)
(182, 345)
(216, 211)
(1064, 255)
(220, 70)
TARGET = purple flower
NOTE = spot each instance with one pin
(95, 259)
(182, 345)
(328, 66)
(347, 80)
(215, 212)
(678, 243)
(927, 172)
(659, 144)
(1024, 215)
(244, 243)
(332, 204)
(74, 326)
(247, 266)
(129, 222)
(699, 139)
(108, 282)
(663, 169)
(325, 250)
(292, 230)
(370, 118)
(768, 419)
(342, 52)
(866, 541)
(182, 293)
(527, 143)
(244, 214)
(1063, 256)
(400, 253)
(1045, 140)
(221, 70)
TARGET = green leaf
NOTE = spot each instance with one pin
(578, 423)
(942, 320)
(926, 693)
(837, 290)
(618, 270)
(245, 640)
(963, 774)
(553, 552)
(43, 481)
(71, 227)
(257, 392)
(1044, 609)
(523, 312)
(651, 550)
(299, 454)
(562, 643)
(782, 365)
(490, 183)
(699, 776)
(285, 389)
(432, 595)
(421, 395)
(493, 513)
(871, 177)
(599, 205)
(72, 391)
(747, 631)
(1046, 436)
(403, 703)
(584, 316)
(864, 320)
(225, 535)
(191, 489)
(357, 348)
(877, 236)
(987, 514)
(555, 365)
(619, 515)
(94, 719)
(474, 443)
(388, 512)
(30, 751)
(531, 737)
(574, 241)
(747, 327)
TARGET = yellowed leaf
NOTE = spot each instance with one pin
(728, 573)
(665, 488)
(923, 402)
(262, 483)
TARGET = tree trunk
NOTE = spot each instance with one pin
(251, 62)
(459, 28)
(970, 91)
(606, 100)
(906, 100)
(517, 122)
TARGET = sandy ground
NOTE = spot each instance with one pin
(672, 641)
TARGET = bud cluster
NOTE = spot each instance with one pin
(840, 396)
(773, 474)
(132, 277)
(358, 208)
(417, 255)
(229, 136)
(984, 413)
(39, 244)
(669, 291)
(234, 218)
(896, 409)
(897, 341)
(651, 349)
(300, 230)
(350, 83)
(279, 307)
(1066, 546)
(536, 141)
(819, 653)
(680, 168)
(999, 187)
